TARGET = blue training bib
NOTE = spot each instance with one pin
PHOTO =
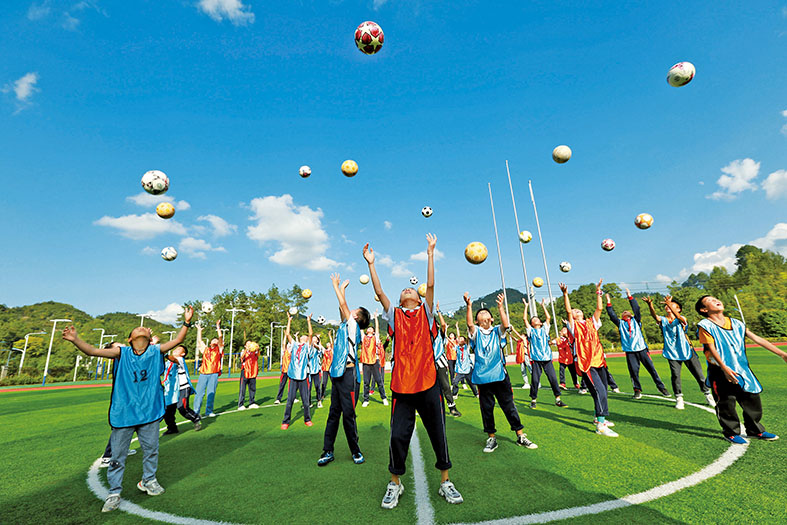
(137, 395)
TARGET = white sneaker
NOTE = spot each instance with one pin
(152, 487)
(254, 405)
(710, 400)
(604, 430)
(679, 403)
(616, 390)
(491, 444)
(385, 402)
(392, 493)
(297, 400)
(212, 414)
(464, 387)
(449, 492)
(366, 404)
(609, 423)
(319, 404)
(241, 407)
(111, 503)
(104, 464)
(525, 387)
(132, 451)
(277, 402)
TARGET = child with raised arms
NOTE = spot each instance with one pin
(464, 366)
(327, 357)
(541, 354)
(250, 367)
(315, 367)
(441, 360)
(300, 352)
(177, 389)
(565, 358)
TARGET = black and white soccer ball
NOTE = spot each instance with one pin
(321, 320)
(426, 211)
(413, 280)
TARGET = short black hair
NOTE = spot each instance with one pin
(483, 310)
(363, 318)
(185, 350)
(680, 306)
(698, 306)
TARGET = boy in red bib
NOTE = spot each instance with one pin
(413, 379)
(565, 356)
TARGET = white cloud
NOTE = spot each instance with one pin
(23, 88)
(70, 22)
(233, 10)
(147, 250)
(146, 200)
(388, 225)
(400, 269)
(38, 11)
(298, 229)
(421, 256)
(784, 114)
(737, 178)
(197, 248)
(384, 260)
(347, 240)
(145, 226)
(772, 239)
(724, 256)
(221, 228)
(169, 315)
(377, 4)
(661, 278)
(775, 185)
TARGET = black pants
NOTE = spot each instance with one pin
(430, 407)
(379, 379)
(572, 369)
(535, 379)
(370, 371)
(282, 383)
(597, 386)
(316, 380)
(325, 375)
(505, 397)
(694, 367)
(298, 387)
(445, 386)
(458, 378)
(452, 368)
(252, 384)
(633, 360)
(726, 395)
(344, 396)
(181, 406)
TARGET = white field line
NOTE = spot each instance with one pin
(423, 506)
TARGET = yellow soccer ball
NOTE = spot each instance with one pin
(349, 168)
(476, 252)
(525, 236)
(643, 221)
(306, 293)
(422, 290)
(561, 154)
(538, 282)
(165, 210)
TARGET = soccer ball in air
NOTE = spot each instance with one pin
(413, 280)
(561, 154)
(607, 245)
(321, 320)
(680, 74)
(169, 253)
(305, 171)
(207, 307)
(364, 279)
(369, 38)
(422, 290)
(306, 293)
(293, 310)
(426, 211)
(377, 298)
(525, 236)
(155, 182)
(538, 282)
(476, 252)
(349, 168)
(565, 267)
(643, 221)
(165, 210)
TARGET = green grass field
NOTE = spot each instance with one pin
(242, 468)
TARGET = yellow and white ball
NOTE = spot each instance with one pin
(681, 74)
(422, 290)
(538, 282)
(364, 279)
(349, 168)
(476, 252)
(165, 210)
(306, 293)
(643, 221)
(525, 236)
(561, 154)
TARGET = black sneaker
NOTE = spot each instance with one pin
(664, 392)
(454, 412)
(357, 458)
(326, 458)
(560, 403)
(533, 404)
(637, 394)
(170, 431)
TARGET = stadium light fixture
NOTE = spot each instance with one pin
(24, 350)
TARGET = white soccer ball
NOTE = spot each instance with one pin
(207, 307)
(426, 211)
(305, 171)
(607, 245)
(413, 280)
(321, 320)
(525, 236)
(565, 267)
(364, 279)
(155, 182)
(293, 310)
(561, 154)
(169, 253)
(680, 74)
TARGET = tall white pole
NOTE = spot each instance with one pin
(499, 257)
(232, 334)
(76, 366)
(24, 350)
(142, 318)
(739, 308)
(521, 250)
(544, 257)
(51, 340)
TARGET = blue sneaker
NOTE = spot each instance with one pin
(767, 436)
(736, 439)
(358, 458)
(326, 458)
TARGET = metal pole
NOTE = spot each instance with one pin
(24, 350)
(170, 332)
(51, 340)
(521, 250)
(232, 334)
(142, 318)
(544, 257)
(76, 366)
(739, 308)
(499, 257)
(100, 344)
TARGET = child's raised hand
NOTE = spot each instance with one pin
(563, 287)
(70, 334)
(188, 313)
(667, 299)
(431, 240)
(647, 300)
(608, 299)
(500, 299)
(466, 297)
(345, 284)
(437, 305)
(218, 325)
(628, 293)
(598, 286)
(368, 254)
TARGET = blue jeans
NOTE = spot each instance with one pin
(120, 439)
(206, 383)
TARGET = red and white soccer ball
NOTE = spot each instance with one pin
(680, 74)
(155, 182)
(369, 38)
(607, 245)
(305, 171)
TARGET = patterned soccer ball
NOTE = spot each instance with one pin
(476, 252)
(680, 74)
(207, 307)
(169, 253)
(369, 38)
(321, 320)
(538, 282)
(293, 310)
(561, 154)
(608, 245)
(165, 210)
(565, 267)
(349, 168)
(305, 171)
(525, 236)
(364, 279)
(422, 290)
(413, 280)
(306, 293)
(377, 298)
(643, 221)
(426, 211)
(155, 182)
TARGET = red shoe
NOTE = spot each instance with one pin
(309, 424)
(285, 426)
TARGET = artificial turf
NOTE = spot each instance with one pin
(243, 468)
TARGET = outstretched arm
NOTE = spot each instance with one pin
(70, 334)
(634, 306)
(376, 326)
(309, 327)
(501, 307)
(443, 324)
(287, 335)
(526, 313)
(681, 318)
(599, 305)
(340, 289)
(611, 312)
(567, 304)
(220, 336)
(368, 254)
(431, 241)
(546, 312)
(766, 344)
(652, 309)
(169, 345)
(469, 305)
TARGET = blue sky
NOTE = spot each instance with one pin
(230, 97)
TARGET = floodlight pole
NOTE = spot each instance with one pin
(100, 344)
(544, 257)
(739, 308)
(76, 366)
(24, 350)
(531, 306)
(274, 325)
(499, 256)
(170, 332)
(142, 318)
(232, 334)
(51, 341)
